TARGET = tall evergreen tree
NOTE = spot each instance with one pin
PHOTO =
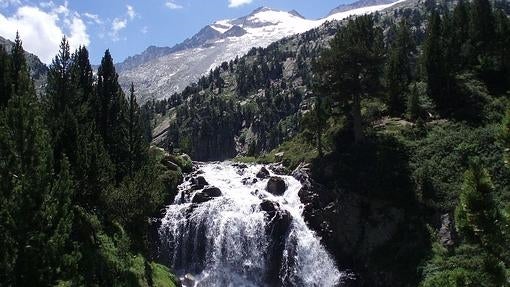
(478, 217)
(136, 144)
(481, 26)
(352, 66)
(398, 69)
(5, 77)
(439, 79)
(20, 76)
(82, 77)
(460, 35)
(34, 208)
(111, 115)
(62, 105)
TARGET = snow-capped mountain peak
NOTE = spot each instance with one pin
(162, 75)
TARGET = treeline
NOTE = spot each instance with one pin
(448, 97)
(77, 179)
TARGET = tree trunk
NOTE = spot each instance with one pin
(356, 117)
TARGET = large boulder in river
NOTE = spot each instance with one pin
(263, 173)
(276, 185)
(199, 182)
(206, 195)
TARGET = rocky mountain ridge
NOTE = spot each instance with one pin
(160, 72)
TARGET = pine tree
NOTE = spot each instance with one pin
(57, 220)
(477, 216)
(20, 76)
(5, 77)
(439, 79)
(460, 35)
(82, 78)
(93, 169)
(352, 66)
(62, 105)
(136, 143)
(481, 26)
(111, 115)
(26, 185)
(398, 69)
(314, 123)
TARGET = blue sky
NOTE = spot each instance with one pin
(128, 27)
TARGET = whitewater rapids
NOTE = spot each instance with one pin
(225, 241)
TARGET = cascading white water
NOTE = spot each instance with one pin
(232, 240)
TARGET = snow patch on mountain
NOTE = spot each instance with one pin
(221, 41)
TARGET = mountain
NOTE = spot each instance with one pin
(254, 103)
(38, 69)
(160, 72)
(359, 4)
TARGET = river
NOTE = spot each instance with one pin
(244, 237)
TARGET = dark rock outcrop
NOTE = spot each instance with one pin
(278, 223)
(207, 194)
(447, 234)
(240, 165)
(249, 181)
(276, 185)
(263, 173)
(278, 169)
(199, 182)
(356, 228)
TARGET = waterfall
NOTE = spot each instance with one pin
(242, 235)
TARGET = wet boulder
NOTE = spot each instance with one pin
(276, 185)
(206, 195)
(212, 191)
(263, 173)
(249, 181)
(199, 182)
(278, 169)
(188, 280)
(240, 165)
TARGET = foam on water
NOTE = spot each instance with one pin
(223, 242)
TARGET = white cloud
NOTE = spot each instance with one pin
(61, 9)
(49, 4)
(121, 23)
(172, 5)
(118, 24)
(94, 18)
(78, 33)
(42, 31)
(237, 3)
(131, 12)
(144, 30)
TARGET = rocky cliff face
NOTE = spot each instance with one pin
(365, 234)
